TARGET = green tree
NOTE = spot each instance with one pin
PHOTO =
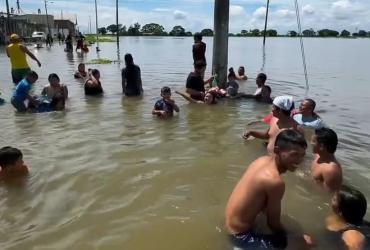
(255, 32)
(243, 33)
(207, 32)
(153, 29)
(292, 33)
(327, 33)
(269, 32)
(345, 33)
(362, 33)
(134, 30)
(309, 33)
(188, 33)
(114, 28)
(123, 30)
(102, 30)
(177, 31)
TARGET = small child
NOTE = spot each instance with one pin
(165, 106)
(11, 163)
(347, 223)
(21, 92)
(232, 85)
(57, 93)
(241, 74)
(81, 72)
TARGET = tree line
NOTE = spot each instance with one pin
(154, 29)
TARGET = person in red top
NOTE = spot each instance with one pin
(199, 51)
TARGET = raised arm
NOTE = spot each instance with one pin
(186, 96)
(25, 50)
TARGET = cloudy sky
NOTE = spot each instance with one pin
(195, 15)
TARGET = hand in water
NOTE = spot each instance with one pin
(246, 135)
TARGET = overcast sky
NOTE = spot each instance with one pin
(195, 15)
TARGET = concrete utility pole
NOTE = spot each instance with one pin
(117, 24)
(221, 40)
(97, 27)
(7, 18)
(47, 17)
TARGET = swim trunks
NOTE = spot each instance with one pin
(251, 240)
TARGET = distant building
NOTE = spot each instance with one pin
(37, 19)
(64, 26)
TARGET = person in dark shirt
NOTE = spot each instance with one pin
(92, 85)
(199, 51)
(195, 84)
(131, 78)
(165, 106)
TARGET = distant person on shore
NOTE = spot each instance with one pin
(59, 36)
(92, 85)
(306, 116)
(17, 54)
(195, 83)
(232, 85)
(260, 191)
(81, 72)
(209, 98)
(69, 43)
(347, 224)
(165, 106)
(11, 163)
(80, 42)
(281, 120)
(22, 92)
(49, 40)
(57, 93)
(325, 168)
(241, 74)
(131, 78)
(199, 51)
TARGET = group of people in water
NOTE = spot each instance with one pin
(261, 188)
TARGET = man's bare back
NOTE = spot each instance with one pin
(253, 194)
(327, 172)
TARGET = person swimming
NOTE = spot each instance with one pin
(56, 92)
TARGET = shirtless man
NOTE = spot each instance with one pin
(11, 163)
(281, 120)
(261, 189)
(325, 168)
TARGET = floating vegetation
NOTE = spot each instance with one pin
(101, 61)
(92, 39)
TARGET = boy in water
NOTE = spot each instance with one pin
(21, 92)
(261, 190)
(165, 106)
(11, 163)
(349, 206)
(325, 168)
(281, 120)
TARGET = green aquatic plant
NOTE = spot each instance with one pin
(101, 61)
(92, 39)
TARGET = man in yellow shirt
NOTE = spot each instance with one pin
(17, 54)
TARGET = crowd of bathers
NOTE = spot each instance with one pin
(261, 188)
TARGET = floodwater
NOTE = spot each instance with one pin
(105, 174)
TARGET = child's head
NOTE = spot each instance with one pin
(10, 157)
(81, 67)
(324, 140)
(166, 92)
(290, 148)
(241, 71)
(198, 37)
(261, 79)
(95, 73)
(231, 76)
(32, 77)
(350, 204)
(54, 80)
(210, 97)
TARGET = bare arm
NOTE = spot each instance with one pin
(25, 50)
(194, 92)
(7, 52)
(275, 194)
(32, 100)
(257, 134)
(187, 97)
(353, 240)
(332, 180)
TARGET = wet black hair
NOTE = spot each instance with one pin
(312, 102)
(53, 75)
(199, 64)
(351, 204)
(80, 64)
(94, 72)
(32, 74)
(289, 138)
(328, 138)
(165, 90)
(268, 88)
(129, 60)
(198, 36)
(262, 76)
(9, 155)
(231, 72)
(242, 67)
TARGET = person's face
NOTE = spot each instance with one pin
(290, 158)
(305, 108)
(166, 95)
(54, 82)
(81, 67)
(97, 76)
(315, 144)
(241, 71)
(259, 81)
(32, 80)
(208, 98)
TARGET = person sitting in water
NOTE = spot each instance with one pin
(264, 96)
(56, 92)
(260, 191)
(92, 85)
(281, 120)
(195, 84)
(347, 224)
(232, 86)
(260, 82)
(306, 116)
(81, 72)
(131, 78)
(325, 168)
(209, 98)
(22, 92)
(241, 74)
(11, 163)
(165, 106)
(2, 101)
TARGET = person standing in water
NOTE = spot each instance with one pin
(17, 55)
(131, 78)
(199, 51)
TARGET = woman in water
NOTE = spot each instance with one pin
(131, 78)
(57, 93)
(92, 85)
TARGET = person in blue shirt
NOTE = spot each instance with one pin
(165, 106)
(21, 92)
(306, 116)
